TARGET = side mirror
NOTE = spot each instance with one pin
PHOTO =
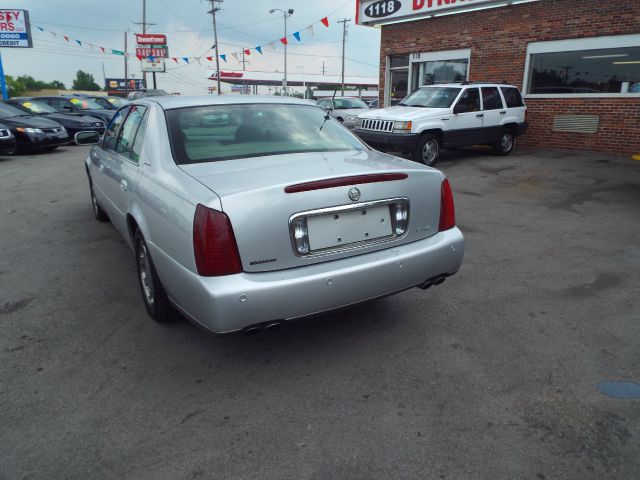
(87, 138)
(460, 108)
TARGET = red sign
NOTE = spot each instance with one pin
(159, 52)
(227, 75)
(151, 39)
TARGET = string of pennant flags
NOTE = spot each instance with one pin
(224, 56)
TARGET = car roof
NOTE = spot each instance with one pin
(168, 102)
(469, 84)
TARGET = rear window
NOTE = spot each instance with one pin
(224, 132)
(512, 97)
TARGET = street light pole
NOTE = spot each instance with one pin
(285, 14)
(213, 11)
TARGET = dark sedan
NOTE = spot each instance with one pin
(74, 104)
(73, 122)
(7, 140)
(31, 131)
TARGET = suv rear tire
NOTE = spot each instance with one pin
(428, 149)
(506, 144)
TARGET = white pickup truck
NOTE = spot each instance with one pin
(447, 116)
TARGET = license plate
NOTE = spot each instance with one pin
(342, 228)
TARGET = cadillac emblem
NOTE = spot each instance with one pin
(354, 194)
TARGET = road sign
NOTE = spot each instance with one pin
(151, 39)
(158, 52)
(157, 65)
(15, 30)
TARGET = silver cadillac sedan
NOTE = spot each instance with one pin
(245, 211)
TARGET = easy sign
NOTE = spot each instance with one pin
(15, 30)
(376, 12)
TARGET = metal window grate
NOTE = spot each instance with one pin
(377, 125)
(576, 123)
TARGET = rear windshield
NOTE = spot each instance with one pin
(224, 132)
(346, 103)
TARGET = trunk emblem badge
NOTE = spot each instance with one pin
(354, 194)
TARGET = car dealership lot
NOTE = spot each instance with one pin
(494, 374)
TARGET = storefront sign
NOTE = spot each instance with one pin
(15, 30)
(374, 12)
(119, 84)
(151, 39)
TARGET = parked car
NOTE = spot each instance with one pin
(447, 116)
(32, 132)
(72, 122)
(74, 104)
(146, 93)
(7, 140)
(110, 102)
(373, 103)
(277, 212)
(344, 109)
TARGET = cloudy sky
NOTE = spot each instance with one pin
(188, 27)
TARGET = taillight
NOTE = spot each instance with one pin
(447, 210)
(214, 244)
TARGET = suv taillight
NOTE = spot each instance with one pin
(447, 210)
(214, 244)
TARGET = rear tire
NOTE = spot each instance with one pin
(428, 150)
(155, 298)
(98, 213)
(506, 144)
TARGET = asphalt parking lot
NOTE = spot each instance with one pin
(493, 375)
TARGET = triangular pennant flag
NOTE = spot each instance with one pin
(223, 57)
(66, 39)
(309, 29)
(284, 40)
(297, 35)
(151, 58)
(259, 50)
(325, 21)
(102, 49)
(186, 59)
(117, 52)
(139, 57)
(197, 59)
(91, 45)
(79, 42)
(39, 28)
(272, 46)
(235, 55)
(54, 34)
(174, 59)
(247, 51)
(210, 59)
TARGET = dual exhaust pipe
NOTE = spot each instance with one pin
(267, 326)
(438, 280)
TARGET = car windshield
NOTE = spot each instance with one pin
(10, 111)
(431, 97)
(86, 103)
(224, 132)
(118, 102)
(38, 107)
(344, 103)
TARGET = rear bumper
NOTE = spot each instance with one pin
(405, 142)
(226, 304)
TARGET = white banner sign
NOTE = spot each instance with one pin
(15, 30)
(373, 12)
(157, 65)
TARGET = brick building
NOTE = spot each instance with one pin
(577, 62)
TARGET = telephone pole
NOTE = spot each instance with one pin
(213, 11)
(244, 62)
(344, 38)
(126, 67)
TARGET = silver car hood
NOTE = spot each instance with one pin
(252, 194)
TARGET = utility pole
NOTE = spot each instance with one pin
(126, 67)
(244, 62)
(344, 38)
(285, 14)
(213, 11)
(144, 30)
(323, 67)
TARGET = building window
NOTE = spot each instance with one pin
(398, 79)
(583, 67)
(439, 71)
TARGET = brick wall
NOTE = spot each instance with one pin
(498, 41)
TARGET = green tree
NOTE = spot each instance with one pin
(85, 81)
(15, 87)
(31, 83)
(58, 84)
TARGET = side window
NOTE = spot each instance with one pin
(111, 134)
(137, 143)
(129, 130)
(512, 97)
(57, 103)
(471, 99)
(491, 98)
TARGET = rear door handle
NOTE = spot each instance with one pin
(503, 113)
(480, 115)
(124, 185)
